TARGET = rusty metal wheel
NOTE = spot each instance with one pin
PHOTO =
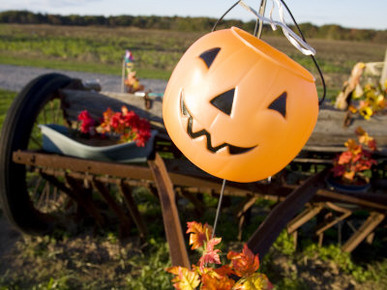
(28, 200)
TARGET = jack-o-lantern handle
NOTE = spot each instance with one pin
(262, 11)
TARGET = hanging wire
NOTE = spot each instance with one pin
(218, 208)
(224, 14)
(321, 101)
(312, 56)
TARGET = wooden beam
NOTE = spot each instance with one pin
(345, 213)
(304, 217)
(367, 228)
(172, 226)
(282, 214)
(126, 192)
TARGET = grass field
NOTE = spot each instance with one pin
(156, 52)
(6, 98)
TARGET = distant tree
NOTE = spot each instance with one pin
(331, 31)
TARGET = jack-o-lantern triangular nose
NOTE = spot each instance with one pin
(224, 101)
(209, 56)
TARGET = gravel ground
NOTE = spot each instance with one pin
(14, 78)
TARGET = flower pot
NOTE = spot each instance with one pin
(338, 185)
(57, 139)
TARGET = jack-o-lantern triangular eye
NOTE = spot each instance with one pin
(209, 56)
(224, 101)
(279, 104)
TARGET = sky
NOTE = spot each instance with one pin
(370, 14)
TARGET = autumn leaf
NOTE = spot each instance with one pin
(256, 281)
(199, 234)
(353, 147)
(211, 281)
(344, 158)
(225, 270)
(184, 279)
(338, 170)
(349, 175)
(210, 255)
(372, 144)
(352, 109)
(244, 263)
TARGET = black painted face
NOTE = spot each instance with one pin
(224, 103)
(232, 149)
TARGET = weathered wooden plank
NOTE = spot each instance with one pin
(97, 102)
(172, 226)
(330, 129)
(304, 217)
(370, 200)
(329, 132)
(367, 228)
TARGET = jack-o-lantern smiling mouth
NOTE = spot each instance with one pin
(233, 150)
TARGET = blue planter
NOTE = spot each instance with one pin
(56, 139)
(334, 184)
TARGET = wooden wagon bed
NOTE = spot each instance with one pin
(298, 202)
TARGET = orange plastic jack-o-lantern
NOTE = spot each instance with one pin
(238, 108)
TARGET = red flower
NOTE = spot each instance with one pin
(127, 124)
(87, 122)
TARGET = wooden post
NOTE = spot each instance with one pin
(172, 226)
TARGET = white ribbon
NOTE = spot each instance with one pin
(293, 38)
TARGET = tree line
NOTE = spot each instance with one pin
(331, 31)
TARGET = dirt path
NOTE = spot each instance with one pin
(14, 78)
